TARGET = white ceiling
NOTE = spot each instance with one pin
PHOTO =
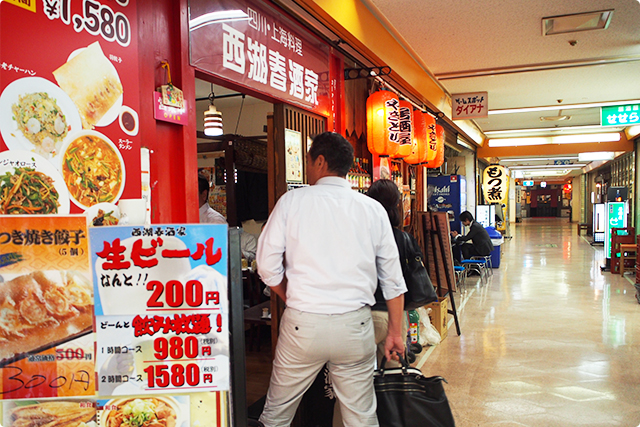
(499, 37)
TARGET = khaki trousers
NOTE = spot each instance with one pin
(307, 341)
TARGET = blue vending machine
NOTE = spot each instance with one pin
(449, 195)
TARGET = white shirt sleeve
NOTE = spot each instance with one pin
(390, 276)
(272, 245)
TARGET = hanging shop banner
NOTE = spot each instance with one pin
(46, 306)
(254, 44)
(470, 105)
(69, 102)
(161, 309)
(495, 184)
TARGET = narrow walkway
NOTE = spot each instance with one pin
(549, 341)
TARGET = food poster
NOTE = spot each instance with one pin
(161, 411)
(69, 102)
(161, 309)
(46, 308)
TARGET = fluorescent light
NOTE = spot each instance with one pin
(217, 17)
(584, 138)
(517, 142)
(562, 107)
(464, 144)
(534, 167)
(576, 22)
(563, 139)
(592, 157)
(538, 159)
(554, 129)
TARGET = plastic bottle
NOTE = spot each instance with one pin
(414, 325)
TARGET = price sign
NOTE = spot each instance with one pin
(161, 309)
(44, 265)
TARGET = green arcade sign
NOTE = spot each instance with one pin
(620, 115)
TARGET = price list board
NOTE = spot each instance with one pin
(161, 309)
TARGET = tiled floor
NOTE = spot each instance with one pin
(549, 341)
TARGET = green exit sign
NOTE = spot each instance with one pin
(620, 115)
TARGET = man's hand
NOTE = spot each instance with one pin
(454, 233)
(393, 346)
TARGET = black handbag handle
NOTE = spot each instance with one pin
(403, 362)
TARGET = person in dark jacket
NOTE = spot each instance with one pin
(482, 245)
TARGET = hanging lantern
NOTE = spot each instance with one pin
(439, 157)
(432, 140)
(495, 184)
(406, 130)
(383, 123)
(420, 147)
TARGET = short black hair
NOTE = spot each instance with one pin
(466, 216)
(386, 192)
(203, 184)
(337, 152)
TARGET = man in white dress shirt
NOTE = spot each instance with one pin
(323, 251)
(207, 214)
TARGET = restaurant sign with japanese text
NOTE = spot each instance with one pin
(470, 105)
(258, 46)
(495, 184)
(620, 115)
(46, 308)
(161, 309)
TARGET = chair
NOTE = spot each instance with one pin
(627, 252)
(477, 265)
(461, 275)
(488, 263)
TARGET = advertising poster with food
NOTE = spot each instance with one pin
(69, 103)
(161, 309)
(157, 411)
(46, 308)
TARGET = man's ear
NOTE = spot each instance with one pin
(321, 162)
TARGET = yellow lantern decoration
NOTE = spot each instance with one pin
(495, 184)
(420, 148)
(405, 136)
(383, 123)
(439, 157)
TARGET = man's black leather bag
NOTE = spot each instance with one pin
(406, 398)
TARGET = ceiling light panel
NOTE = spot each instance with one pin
(576, 22)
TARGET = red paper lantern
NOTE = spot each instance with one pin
(420, 149)
(383, 123)
(405, 136)
(439, 157)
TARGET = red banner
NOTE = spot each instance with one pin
(253, 44)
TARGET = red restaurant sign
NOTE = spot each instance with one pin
(253, 44)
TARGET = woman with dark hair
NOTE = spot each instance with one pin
(386, 192)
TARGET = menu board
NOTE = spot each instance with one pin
(69, 102)
(46, 308)
(161, 309)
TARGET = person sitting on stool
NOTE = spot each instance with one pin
(482, 245)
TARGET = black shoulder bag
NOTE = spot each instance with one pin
(420, 290)
(407, 398)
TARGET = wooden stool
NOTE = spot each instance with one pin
(627, 251)
(582, 226)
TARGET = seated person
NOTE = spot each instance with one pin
(482, 245)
